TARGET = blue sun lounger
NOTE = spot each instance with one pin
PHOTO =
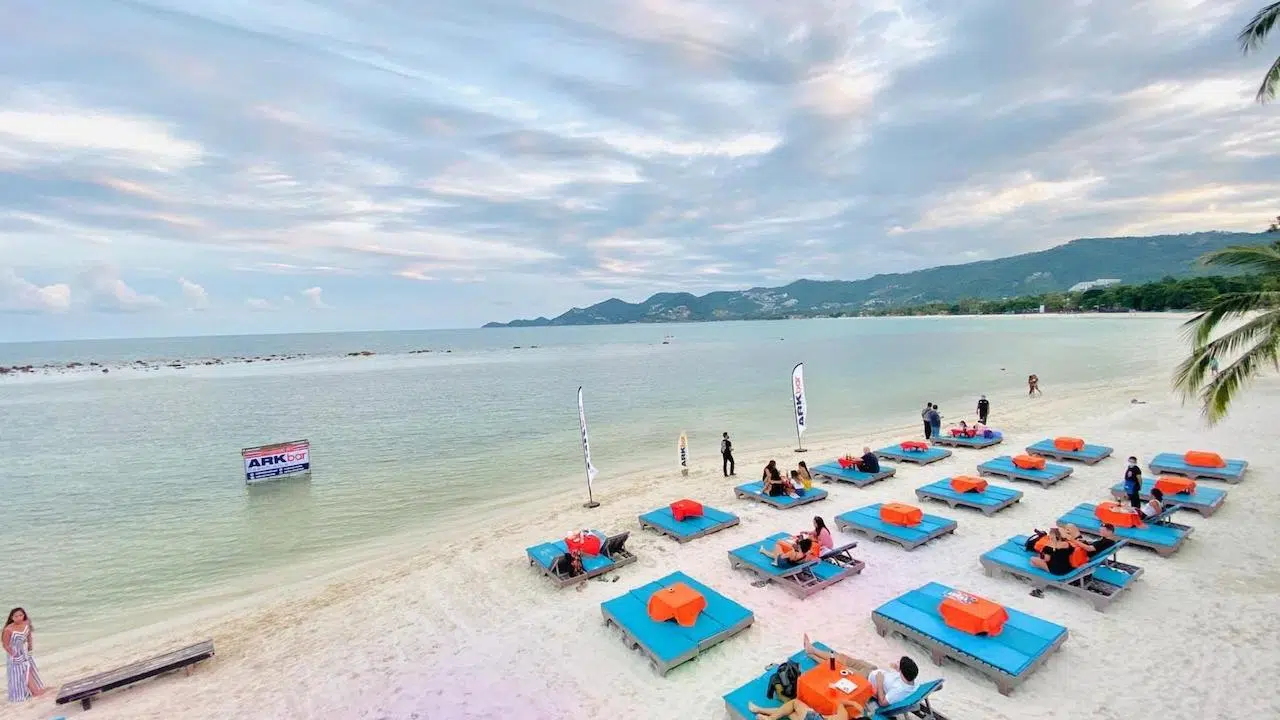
(1023, 645)
(1098, 581)
(801, 579)
(613, 555)
(1174, 464)
(757, 691)
(755, 491)
(666, 643)
(829, 472)
(1205, 500)
(1089, 454)
(989, 501)
(664, 522)
(1160, 535)
(919, 457)
(866, 520)
(1003, 467)
(976, 442)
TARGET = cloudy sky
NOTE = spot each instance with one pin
(199, 166)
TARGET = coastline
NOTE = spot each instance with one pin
(416, 619)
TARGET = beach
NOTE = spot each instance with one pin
(447, 620)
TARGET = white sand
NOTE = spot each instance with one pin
(458, 626)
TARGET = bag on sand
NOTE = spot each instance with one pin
(782, 684)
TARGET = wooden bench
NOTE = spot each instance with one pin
(86, 689)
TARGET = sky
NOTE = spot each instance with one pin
(175, 167)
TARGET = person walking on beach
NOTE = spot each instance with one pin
(1133, 483)
(928, 426)
(984, 409)
(20, 667)
(935, 420)
(726, 455)
(1033, 385)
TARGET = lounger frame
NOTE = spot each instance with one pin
(886, 472)
(620, 559)
(1045, 448)
(972, 443)
(927, 492)
(85, 690)
(916, 458)
(876, 534)
(647, 525)
(812, 495)
(1080, 583)
(1198, 473)
(800, 580)
(1018, 474)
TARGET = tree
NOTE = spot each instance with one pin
(1252, 37)
(1254, 343)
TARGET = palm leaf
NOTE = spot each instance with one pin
(1261, 259)
(1257, 342)
(1267, 90)
(1200, 328)
(1253, 34)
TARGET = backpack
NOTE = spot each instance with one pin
(782, 684)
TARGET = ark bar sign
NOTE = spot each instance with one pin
(273, 462)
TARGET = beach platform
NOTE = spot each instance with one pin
(1205, 500)
(832, 472)
(1089, 454)
(977, 442)
(866, 520)
(1160, 535)
(663, 521)
(85, 690)
(1025, 643)
(918, 457)
(916, 705)
(990, 501)
(755, 491)
(801, 579)
(1099, 581)
(1003, 467)
(1175, 464)
(668, 644)
(613, 555)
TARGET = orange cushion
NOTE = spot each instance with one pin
(972, 614)
(967, 483)
(682, 509)
(1116, 514)
(1029, 462)
(1174, 485)
(1200, 458)
(1069, 444)
(900, 514)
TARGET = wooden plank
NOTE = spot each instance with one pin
(85, 688)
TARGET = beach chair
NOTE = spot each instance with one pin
(85, 690)
(1205, 500)
(866, 520)
(1175, 464)
(755, 491)
(833, 472)
(663, 521)
(1159, 535)
(1100, 581)
(549, 558)
(989, 501)
(1089, 454)
(976, 442)
(802, 579)
(1004, 467)
(1022, 646)
(917, 705)
(668, 644)
(919, 457)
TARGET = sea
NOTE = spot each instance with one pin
(122, 495)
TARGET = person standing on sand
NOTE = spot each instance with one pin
(1033, 385)
(924, 416)
(726, 455)
(984, 408)
(20, 667)
(935, 420)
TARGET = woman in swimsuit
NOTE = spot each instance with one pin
(796, 710)
(799, 553)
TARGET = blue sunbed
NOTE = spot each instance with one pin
(1023, 645)
(833, 472)
(989, 501)
(546, 555)
(1205, 500)
(757, 691)
(1174, 464)
(666, 643)
(802, 579)
(664, 522)
(866, 520)
(755, 491)
(1089, 454)
(1003, 467)
(919, 457)
(976, 442)
(1099, 581)
(1160, 535)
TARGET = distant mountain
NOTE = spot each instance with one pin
(1130, 260)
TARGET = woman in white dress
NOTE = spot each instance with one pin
(20, 667)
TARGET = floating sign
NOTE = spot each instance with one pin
(272, 462)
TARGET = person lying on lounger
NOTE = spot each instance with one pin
(796, 710)
(798, 552)
(889, 685)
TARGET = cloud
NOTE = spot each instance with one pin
(260, 305)
(195, 295)
(20, 296)
(107, 292)
(312, 296)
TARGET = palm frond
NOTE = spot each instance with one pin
(1200, 328)
(1267, 90)
(1256, 342)
(1216, 397)
(1261, 259)
(1255, 33)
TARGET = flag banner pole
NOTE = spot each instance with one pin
(586, 453)
(800, 405)
(682, 447)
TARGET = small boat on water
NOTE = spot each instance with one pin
(666, 340)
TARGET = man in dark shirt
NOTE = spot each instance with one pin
(924, 416)
(1133, 483)
(726, 455)
(984, 408)
(869, 462)
(1107, 540)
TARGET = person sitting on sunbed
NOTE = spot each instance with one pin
(965, 430)
(1106, 539)
(796, 710)
(821, 534)
(796, 485)
(1055, 555)
(774, 485)
(793, 553)
(1152, 508)
(806, 478)
(868, 463)
(889, 685)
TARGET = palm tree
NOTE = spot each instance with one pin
(1255, 343)
(1252, 37)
